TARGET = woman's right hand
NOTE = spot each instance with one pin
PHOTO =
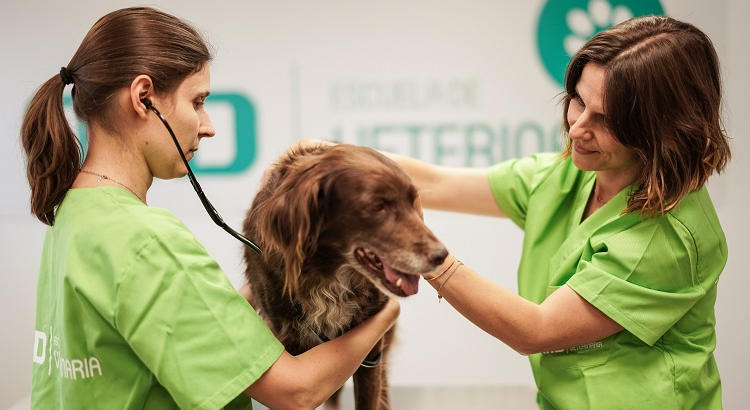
(299, 145)
(308, 379)
(390, 311)
(312, 142)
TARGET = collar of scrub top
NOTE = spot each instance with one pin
(197, 187)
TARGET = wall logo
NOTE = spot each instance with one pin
(241, 122)
(565, 25)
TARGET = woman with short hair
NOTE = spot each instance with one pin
(622, 246)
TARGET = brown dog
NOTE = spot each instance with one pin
(339, 230)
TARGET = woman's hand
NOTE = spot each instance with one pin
(308, 379)
(418, 206)
(246, 292)
(312, 142)
(390, 311)
(301, 145)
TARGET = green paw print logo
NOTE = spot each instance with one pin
(565, 25)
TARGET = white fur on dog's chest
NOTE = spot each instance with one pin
(328, 311)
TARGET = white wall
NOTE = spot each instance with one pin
(733, 317)
(469, 64)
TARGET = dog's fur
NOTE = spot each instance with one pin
(331, 221)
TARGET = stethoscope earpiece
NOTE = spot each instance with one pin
(147, 103)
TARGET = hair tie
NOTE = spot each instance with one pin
(67, 76)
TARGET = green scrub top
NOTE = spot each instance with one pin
(132, 313)
(656, 277)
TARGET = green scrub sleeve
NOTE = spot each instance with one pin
(643, 278)
(181, 316)
(512, 182)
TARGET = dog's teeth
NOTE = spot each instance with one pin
(398, 282)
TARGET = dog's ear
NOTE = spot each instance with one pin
(290, 220)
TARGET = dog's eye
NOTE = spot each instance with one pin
(378, 206)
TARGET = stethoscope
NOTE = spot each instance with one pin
(215, 215)
(197, 187)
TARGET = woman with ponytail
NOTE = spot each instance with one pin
(132, 313)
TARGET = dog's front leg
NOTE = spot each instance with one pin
(333, 402)
(368, 389)
(371, 383)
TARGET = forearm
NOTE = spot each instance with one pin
(563, 320)
(503, 314)
(330, 364)
(453, 189)
(306, 380)
(456, 189)
(423, 174)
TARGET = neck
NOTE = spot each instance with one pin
(609, 183)
(109, 154)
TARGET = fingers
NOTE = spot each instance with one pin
(266, 175)
(418, 207)
(392, 308)
(312, 142)
(246, 292)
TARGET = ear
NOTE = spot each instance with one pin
(290, 221)
(141, 87)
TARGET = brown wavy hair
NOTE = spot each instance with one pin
(120, 46)
(662, 99)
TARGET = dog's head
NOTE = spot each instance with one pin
(324, 207)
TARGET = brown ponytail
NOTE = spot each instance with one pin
(119, 47)
(52, 150)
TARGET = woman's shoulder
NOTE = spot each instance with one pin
(691, 231)
(697, 212)
(538, 169)
(111, 216)
(697, 215)
(694, 219)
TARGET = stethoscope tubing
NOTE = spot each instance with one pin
(197, 187)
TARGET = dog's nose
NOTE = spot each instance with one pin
(438, 255)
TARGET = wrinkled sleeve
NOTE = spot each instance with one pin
(512, 182)
(644, 278)
(189, 326)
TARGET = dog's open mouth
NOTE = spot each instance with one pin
(400, 283)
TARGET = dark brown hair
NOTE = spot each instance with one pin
(119, 47)
(662, 99)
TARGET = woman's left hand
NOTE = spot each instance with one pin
(246, 292)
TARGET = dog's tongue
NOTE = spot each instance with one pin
(409, 283)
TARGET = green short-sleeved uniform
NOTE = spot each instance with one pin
(132, 313)
(656, 277)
